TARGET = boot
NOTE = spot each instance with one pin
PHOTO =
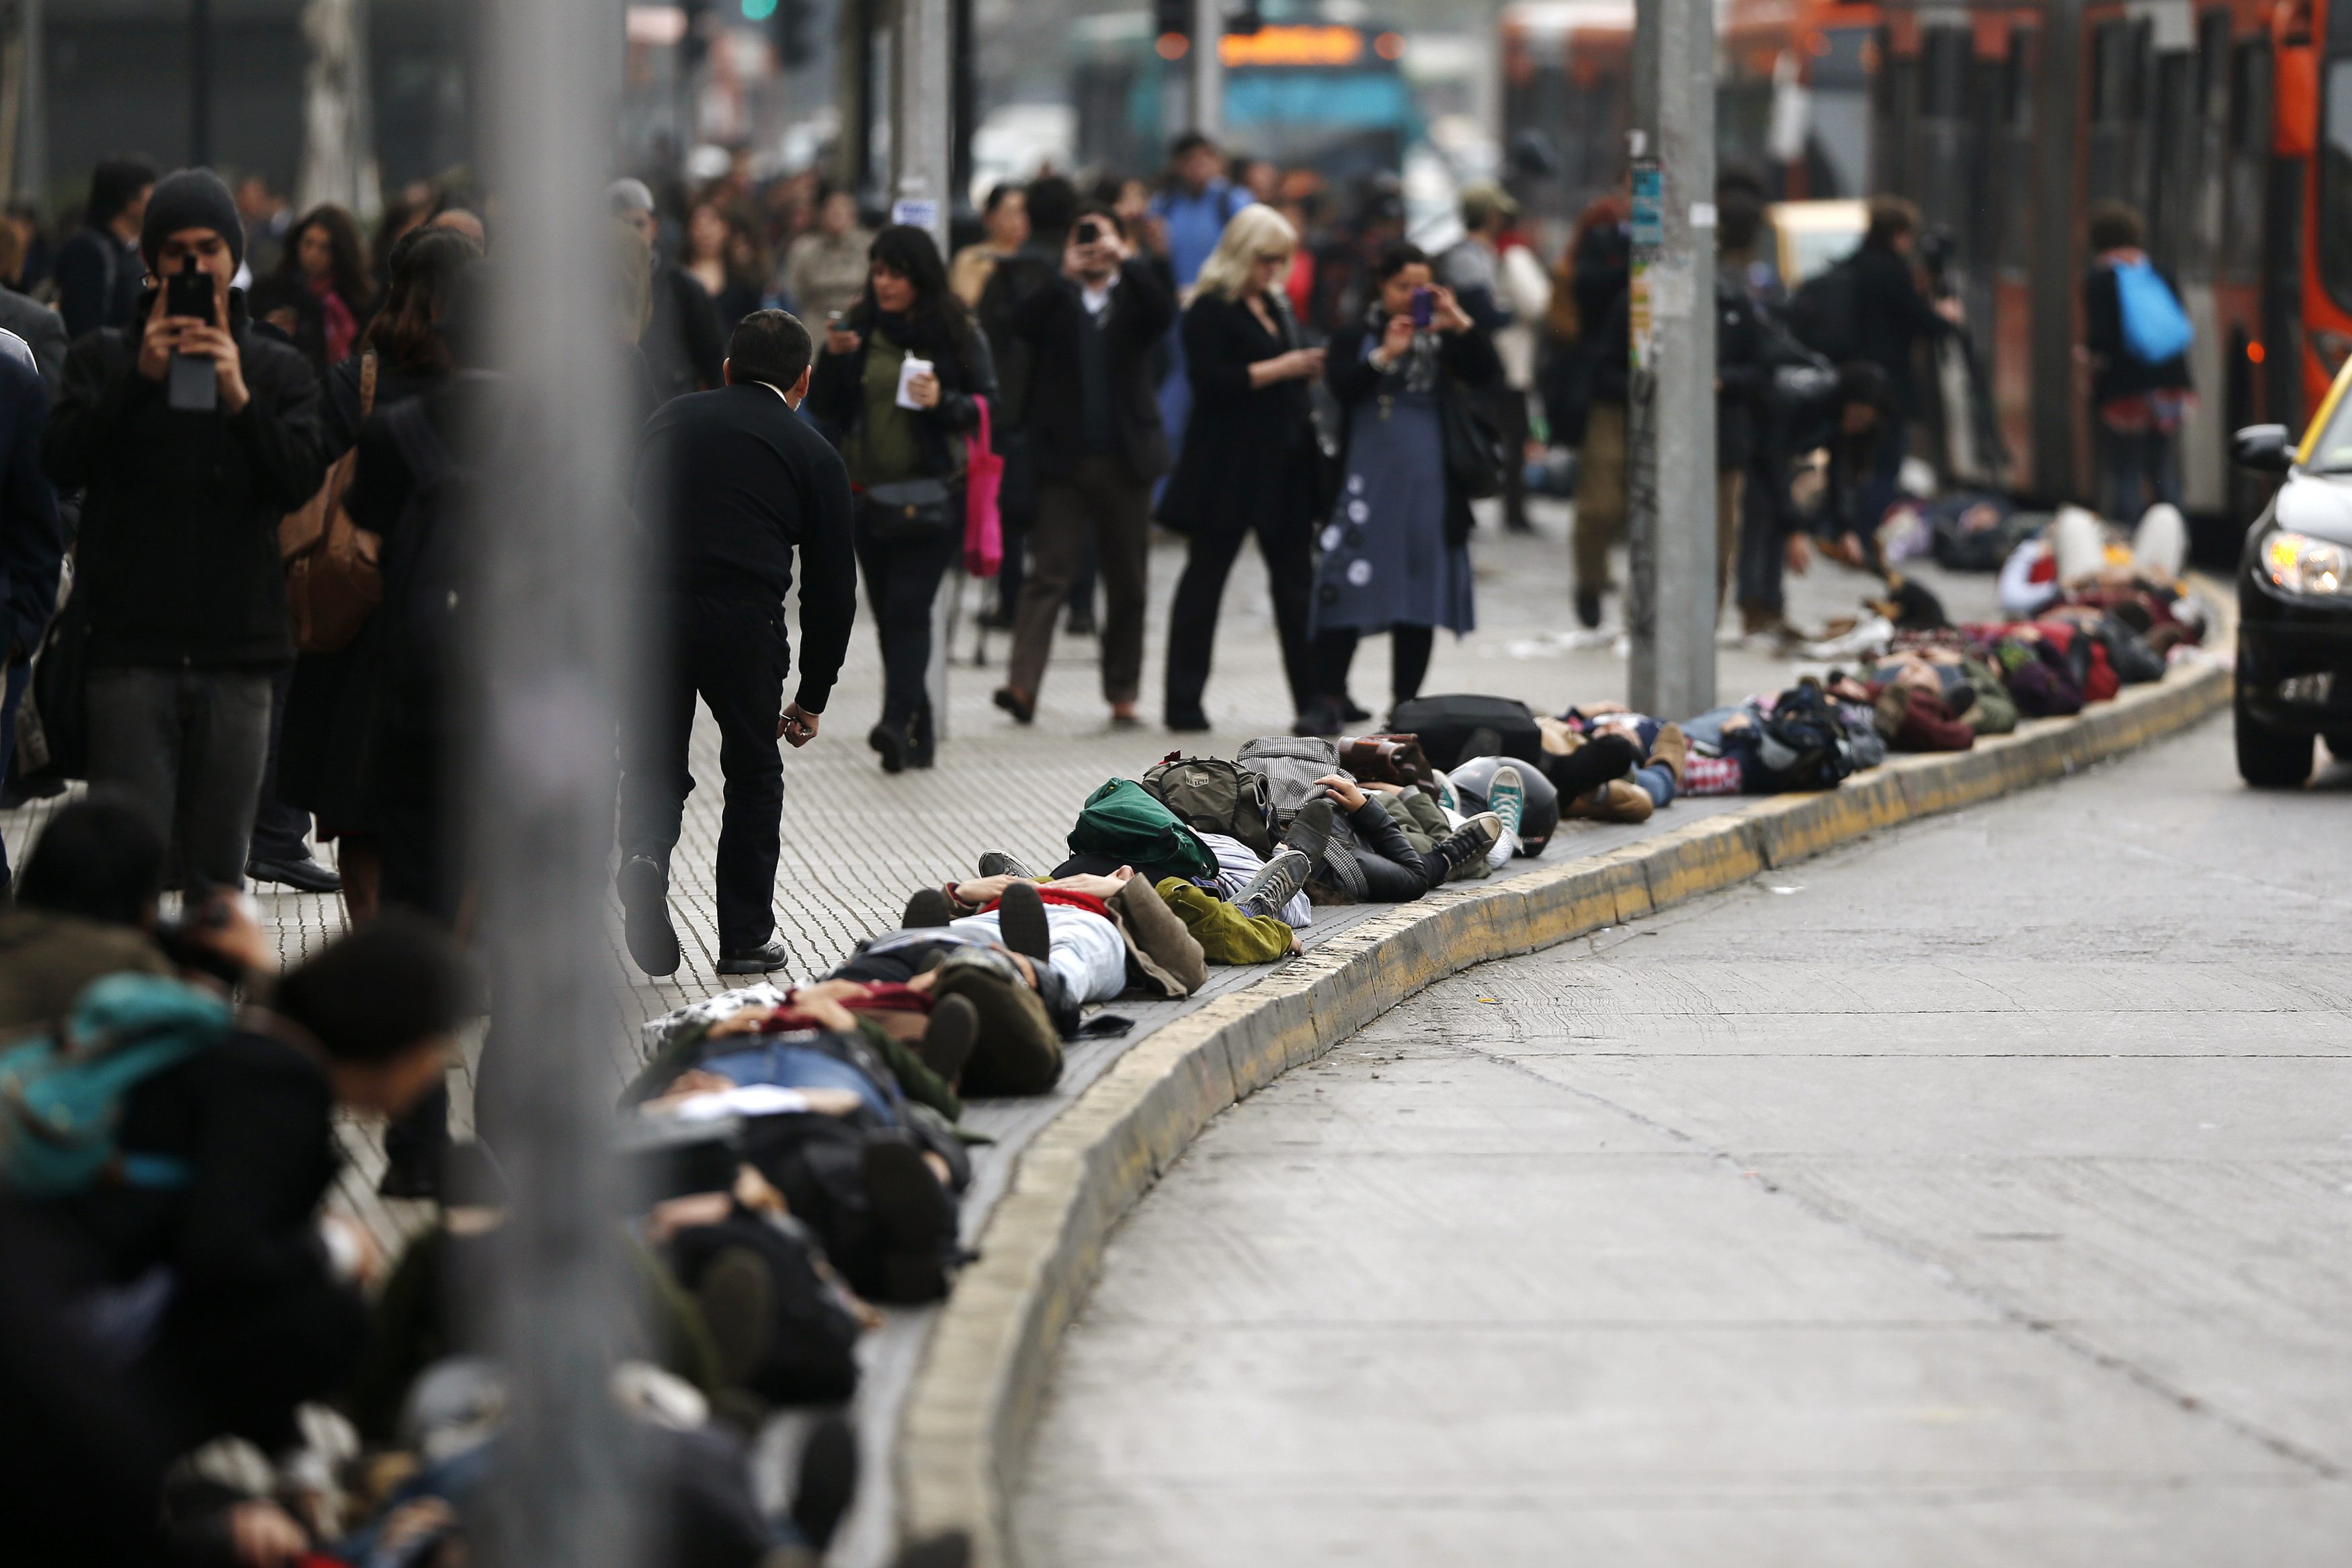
(1468, 842)
(922, 742)
(1275, 884)
(1619, 801)
(888, 738)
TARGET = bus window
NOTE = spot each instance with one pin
(2335, 181)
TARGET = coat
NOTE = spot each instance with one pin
(1052, 320)
(836, 397)
(1250, 455)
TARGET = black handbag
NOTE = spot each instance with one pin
(911, 511)
(1475, 457)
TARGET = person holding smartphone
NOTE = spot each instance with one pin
(192, 435)
(1396, 555)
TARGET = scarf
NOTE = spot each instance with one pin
(1418, 367)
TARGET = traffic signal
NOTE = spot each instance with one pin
(1171, 18)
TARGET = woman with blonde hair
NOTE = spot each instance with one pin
(1250, 460)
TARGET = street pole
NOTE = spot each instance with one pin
(1670, 609)
(554, 627)
(1207, 68)
(200, 83)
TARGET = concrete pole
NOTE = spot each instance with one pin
(922, 162)
(541, 692)
(1670, 459)
(1207, 68)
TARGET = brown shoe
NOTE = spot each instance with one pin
(1619, 801)
(1673, 748)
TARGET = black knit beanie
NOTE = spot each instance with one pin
(190, 199)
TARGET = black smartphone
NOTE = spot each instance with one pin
(1089, 231)
(191, 384)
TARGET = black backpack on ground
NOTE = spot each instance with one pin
(1825, 313)
(1801, 745)
(1447, 725)
(1210, 795)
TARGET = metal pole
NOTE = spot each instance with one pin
(1670, 469)
(1208, 66)
(921, 116)
(554, 623)
(200, 82)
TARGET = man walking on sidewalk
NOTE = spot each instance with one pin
(178, 548)
(1095, 437)
(732, 482)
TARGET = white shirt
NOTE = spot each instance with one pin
(1097, 297)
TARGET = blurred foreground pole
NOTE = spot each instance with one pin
(1207, 68)
(922, 120)
(1670, 429)
(553, 627)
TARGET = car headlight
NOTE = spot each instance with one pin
(2300, 564)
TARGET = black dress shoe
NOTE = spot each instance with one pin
(1023, 709)
(890, 740)
(1351, 714)
(652, 940)
(305, 875)
(1081, 622)
(1587, 608)
(1193, 720)
(769, 954)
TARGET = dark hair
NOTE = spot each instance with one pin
(378, 993)
(1890, 217)
(1189, 142)
(347, 263)
(1739, 218)
(405, 329)
(1395, 258)
(769, 346)
(909, 252)
(279, 292)
(100, 858)
(1103, 211)
(1739, 180)
(112, 184)
(1859, 381)
(2115, 226)
(1053, 206)
(996, 194)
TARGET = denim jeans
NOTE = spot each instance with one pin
(189, 744)
(798, 1067)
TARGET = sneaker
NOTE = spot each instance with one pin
(644, 887)
(998, 862)
(1020, 705)
(1506, 797)
(1587, 608)
(1310, 832)
(948, 1036)
(927, 906)
(304, 875)
(767, 957)
(1275, 884)
(1021, 917)
(1673, 748)
(1470, 841)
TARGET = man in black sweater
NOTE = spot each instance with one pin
(1095, 437)
(732, 482)
(177, 554)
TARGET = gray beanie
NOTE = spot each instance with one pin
(190, 199)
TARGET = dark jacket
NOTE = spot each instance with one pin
(178, 548)
(1891, 317)
(1746, 347)
(682, 342)
(30, 541)
(1465, 362)
(2118, 373)
(99, 279)
(734, 482)
(1250, 456)
(1054, 321)
(959, 357)
(44, 331)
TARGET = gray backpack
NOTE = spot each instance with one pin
(1210, 795)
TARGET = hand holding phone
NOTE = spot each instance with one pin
(1424, 307)
(195, 377)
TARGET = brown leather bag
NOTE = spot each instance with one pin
(1387, 759)
(333, 582)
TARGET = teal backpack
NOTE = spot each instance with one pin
(1122, 819)
(61, 1097)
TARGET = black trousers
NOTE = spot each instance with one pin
(1506, 405)
(280, 831)
(1285, 547)
(902, 580)
(1408, 651)
(1394, 872)
(731, 653)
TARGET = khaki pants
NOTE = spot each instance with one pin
(1728, 485)
(1600, 495)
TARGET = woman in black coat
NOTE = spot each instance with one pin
(908, 312)
(330, 706)
(1250, 456)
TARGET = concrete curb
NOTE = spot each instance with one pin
(975, 1396)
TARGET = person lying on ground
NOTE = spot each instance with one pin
(1103, 935)
(1391, 871)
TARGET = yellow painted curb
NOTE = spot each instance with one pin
(968, 1416)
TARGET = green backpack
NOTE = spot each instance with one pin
(1121, 819)
(61, 1094)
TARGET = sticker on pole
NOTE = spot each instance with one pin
(1648, 227)
(916, 212)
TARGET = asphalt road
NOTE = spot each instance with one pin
(1979, 1194)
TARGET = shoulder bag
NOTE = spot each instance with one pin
(333, 577)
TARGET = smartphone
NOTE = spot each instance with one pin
(1089, 232)
(191, 384)
(1425, 307)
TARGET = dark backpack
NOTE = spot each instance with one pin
(1825, 313)
(1801, 745)
(1210, 795)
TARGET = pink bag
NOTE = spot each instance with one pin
(983, 525)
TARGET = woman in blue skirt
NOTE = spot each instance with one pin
(1395, 548)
